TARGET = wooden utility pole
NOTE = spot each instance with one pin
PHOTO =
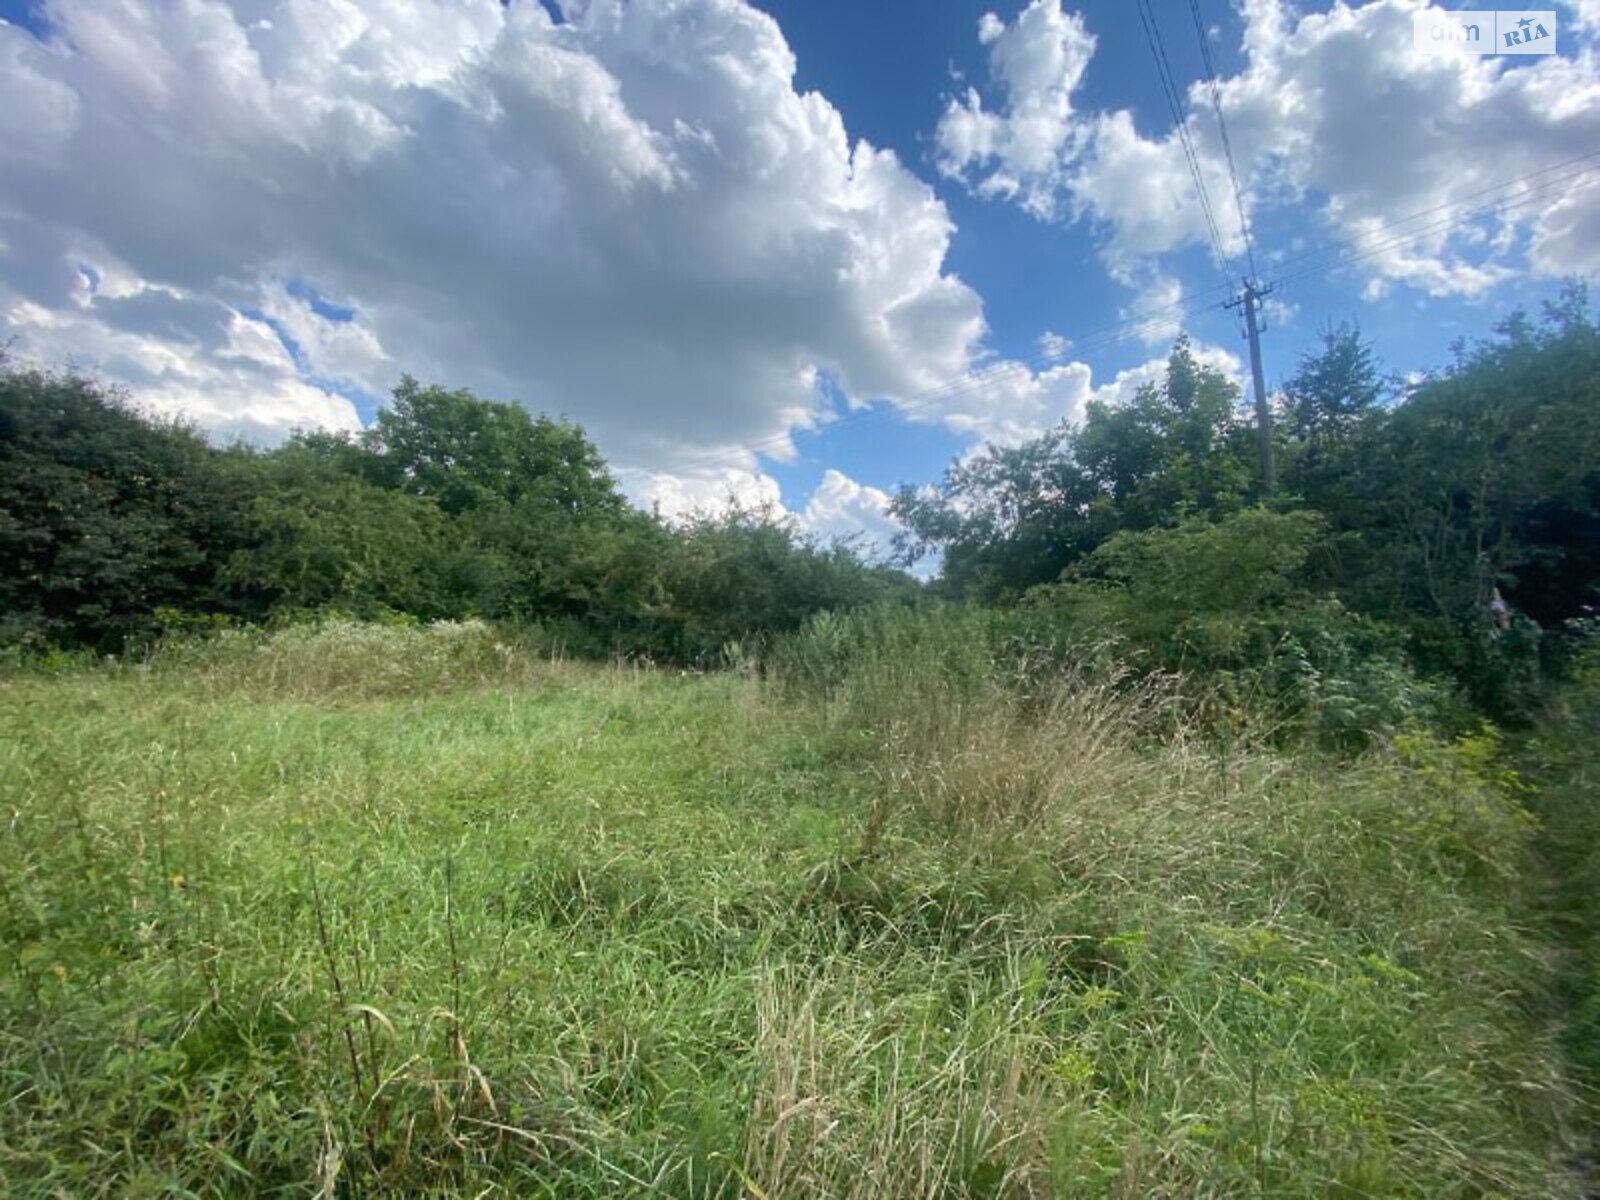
(1250, 300)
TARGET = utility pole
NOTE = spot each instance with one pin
(1250, 300)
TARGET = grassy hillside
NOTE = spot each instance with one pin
(360, 911)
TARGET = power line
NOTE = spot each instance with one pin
(1180, 122)
(1484, 191)
(1222, 128)
(1141, 322)
(1250, 299)
(972, 381)
(1547, 189)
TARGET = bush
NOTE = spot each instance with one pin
(750, 576)
(1225, 606)
(1560, 763)
(105, 516)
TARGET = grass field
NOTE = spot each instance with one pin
(361, 911)
(1559, 757)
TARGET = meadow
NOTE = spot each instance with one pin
(356, 910)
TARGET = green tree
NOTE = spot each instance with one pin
(1333, 388)
(1013, 517)
(321, 538)
(1489, 475)
(1007, 518)
(749, 573)
(1176, 449)
(466, 453)
(1194, 593)
(1332, 412)
(105, 515)
(1486, 475)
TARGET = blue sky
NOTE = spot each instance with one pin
(888, 67)
(665, 222)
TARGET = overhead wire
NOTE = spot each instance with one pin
(1448, 204)
(1180, 123)
(1222, 129)
(1365, 247)
(1391, 237)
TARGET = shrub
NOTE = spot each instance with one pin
(1224, 606)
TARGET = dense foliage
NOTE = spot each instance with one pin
(1559, 765)
(114, 527)
(1055, 879)
(1399, 518)
(1402, 510)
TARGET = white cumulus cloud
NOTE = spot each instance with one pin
(843, 509)
(701, 491)
(1333, 112)
(630, 216)
(1008, 402)
(1036, 63)
(839, 507)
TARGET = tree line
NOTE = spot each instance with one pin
(116, 528)
(1405, 508)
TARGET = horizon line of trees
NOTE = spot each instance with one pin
(112, 524)
(1409, 506)
(1401, 509)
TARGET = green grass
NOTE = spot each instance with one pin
(1560, 759)
(362, 912)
